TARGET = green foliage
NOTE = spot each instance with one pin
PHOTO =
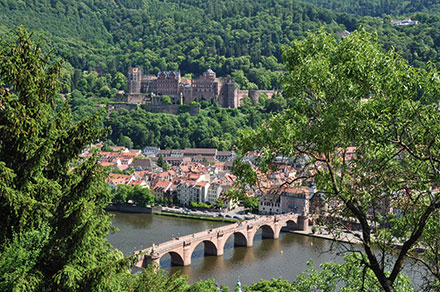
(161, 163)
(108, 37)
(152, 280)
(53, 223)
(166, 99)
(214, 127)
(140, 195)
(219, 203)
(20, 258)
(106, 148)
(273, 285)
(351, 276)
(350, 93)
(250, 203)
(121, 194)
(207, 286)
(200, 205)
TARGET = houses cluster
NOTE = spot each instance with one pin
(280, 192)
(203, 175)
(187, 175)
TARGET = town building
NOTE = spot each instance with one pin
(145, 164)
(295, 200)
(404, 22)
(214, 191)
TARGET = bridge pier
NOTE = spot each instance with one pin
(187, 253)
(303, 223)
(150, 259)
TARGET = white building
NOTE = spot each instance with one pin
(214, 191)
(191, 191)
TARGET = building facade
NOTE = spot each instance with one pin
(208, 86)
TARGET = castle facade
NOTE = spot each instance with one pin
(208, 86)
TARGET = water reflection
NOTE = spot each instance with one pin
(285, 257)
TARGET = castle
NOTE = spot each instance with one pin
(143, 88)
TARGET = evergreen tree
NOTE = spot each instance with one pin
(52, 219)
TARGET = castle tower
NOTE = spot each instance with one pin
(134, 80)
(209, 74)
(229, 96)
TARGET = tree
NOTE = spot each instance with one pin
(160, 161)
(166, 99)
(142, 196)
(119, 81)
(207, 286)
(121, 194)
(250, 203)
(53, 223)
(367, 127)
(219, 203)
(273, 285)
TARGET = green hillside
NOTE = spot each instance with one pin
(192, 35)
(225, 35)
(238, 38)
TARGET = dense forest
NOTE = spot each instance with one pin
(379, 7)
(241, 39)
(214, 127)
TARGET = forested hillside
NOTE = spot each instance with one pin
(109, 36)
(237, 38)
(379, 7)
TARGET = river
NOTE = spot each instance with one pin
(285, 257)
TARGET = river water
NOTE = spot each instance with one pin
(285, 257)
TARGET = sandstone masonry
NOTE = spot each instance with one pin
(149, 89)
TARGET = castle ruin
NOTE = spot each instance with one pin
(143, 88)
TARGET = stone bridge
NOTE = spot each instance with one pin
(214, 240)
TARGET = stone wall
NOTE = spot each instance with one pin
(170, 109)
(127, 208)
(254, 95)
(118, 106)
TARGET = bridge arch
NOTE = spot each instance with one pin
(176, 258)
(267, 232)
(210, 248)
(240, 239)
(298, 223)
(291, 224)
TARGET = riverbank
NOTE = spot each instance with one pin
(345, 237)
(216, 219)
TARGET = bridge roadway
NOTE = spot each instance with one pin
(214, 240)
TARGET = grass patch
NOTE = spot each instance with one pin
(197, 217)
